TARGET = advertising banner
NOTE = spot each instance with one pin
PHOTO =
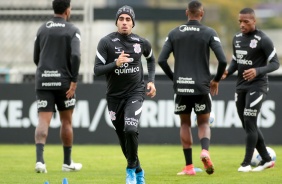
(158, 123)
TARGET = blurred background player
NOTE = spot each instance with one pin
(253, 57)
(119, 58)
(190, 44)
(57, 57)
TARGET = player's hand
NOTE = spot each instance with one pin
(123, 58)
(213, 87)
(70, 93)
(249, 74)
(152, 90)
(224, 75)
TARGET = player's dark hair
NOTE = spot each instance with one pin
(194, 6)
(247, 11)
(60, 6)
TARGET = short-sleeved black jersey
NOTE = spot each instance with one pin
(127, 79)
(190, 44)
(57, 54)
(253, 50)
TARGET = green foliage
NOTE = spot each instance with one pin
(105, 164)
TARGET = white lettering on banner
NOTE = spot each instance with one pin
(156, 114)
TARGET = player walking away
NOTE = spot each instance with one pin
(253, 57)
(190, 44)
(57, 57)
(119, 58)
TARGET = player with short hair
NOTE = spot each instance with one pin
(118, 57)
(253, 57)
(57, 57)
(190, 44)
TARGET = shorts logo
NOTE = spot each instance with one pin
(42, 103)
(131, 121)
(112, 115)
(179, 108)
(250, 112)
(70, 102)
(199, 107)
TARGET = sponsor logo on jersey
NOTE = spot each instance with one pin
(112, 115)
(185, 80)
(137, 48)
(258, 37)
(239, 35)
(69, 103)
(51, 84)
(135, 38)
(237, 44)
(250, 112)
(51, 73)
(184, 28)
(115, 39)
(42, 103)
(200, 107)
(51, 24)
(239, 58)
(183, 90)
(253, 43)
(179, 108)
(125, 69)
(118, 50)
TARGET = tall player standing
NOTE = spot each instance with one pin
(57, 57)
(190, 44)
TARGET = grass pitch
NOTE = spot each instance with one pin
(105, 164)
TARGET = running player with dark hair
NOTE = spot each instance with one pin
(57, 57)
(118, 57)
(190, 44)
(253, 57)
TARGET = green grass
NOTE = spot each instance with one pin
(105, 164)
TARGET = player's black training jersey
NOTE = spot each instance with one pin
(57, 54)
(190, 44)
(128, 78)
(253, 50)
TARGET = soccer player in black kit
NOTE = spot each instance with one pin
(57, 57)
(190, 44)
(118, 57)
(253, 57)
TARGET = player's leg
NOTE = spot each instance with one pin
(65, 107)
(183, 109)
(241, 104)
(132, 114)
(45, 107)
(255, 100)
(203, 108)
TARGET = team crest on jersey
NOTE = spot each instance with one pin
(137, 48)
(112, 115)
(253, 43)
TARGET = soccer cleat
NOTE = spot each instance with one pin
(130, 176)
(187, 170)
(40, 168)
(247, 168)
(264, 165)
(205, 157)
(140, 177)
(72, 167)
